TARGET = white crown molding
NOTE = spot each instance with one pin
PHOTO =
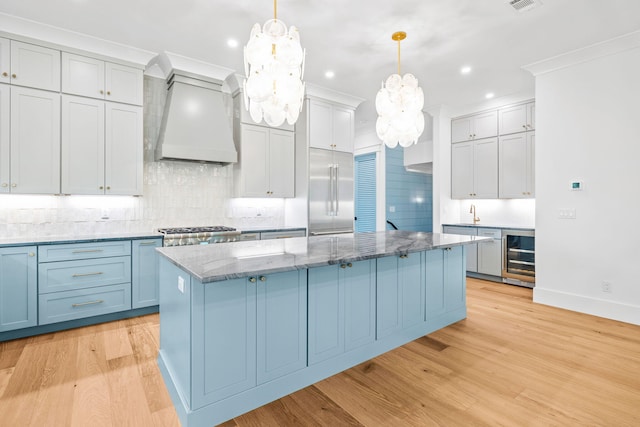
(315, 91)
(169, 62)
(50, 35)
(588, 53)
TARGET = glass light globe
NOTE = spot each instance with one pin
(399, 105)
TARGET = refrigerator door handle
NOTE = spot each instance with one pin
(331, 191)
(337, 168)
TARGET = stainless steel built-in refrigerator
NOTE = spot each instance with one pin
(330, 192)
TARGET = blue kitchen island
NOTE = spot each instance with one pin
(245, 323)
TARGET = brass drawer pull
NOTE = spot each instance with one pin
(263, 279)
(147, 243)
(252, 279)
(97, 273)
(84, 251)
(80, 304)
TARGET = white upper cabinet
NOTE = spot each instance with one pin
(35, 66)
(517, 118)
(474, 169)
(517, 166)
(477, 126)
(94, 78)
(5, 137)
(5, 60)
(123, 149)
(266, 167)
(35, 141)
(331, 126)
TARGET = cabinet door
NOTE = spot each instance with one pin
(35, 66)
(326, 313)
(5, 137)
(490, 257)
(281, 164)
(461, 130)
(123, 84)
(320, 125)
(485, 169)
(5, 60)
(513, 119)
(82, 145)
(435, 283)
(455, 292)
(531, 164)
(35, 141)
(531, 116)
(343, 128)
(400, 293)
(472, 249)
(144, 278)
(514, 166)
(82, 76)
(18, 288)
(123, 149)
(485, 125)
(223, 339)
(254, 156)
(360, 303)
(462, 170)
(282, 324)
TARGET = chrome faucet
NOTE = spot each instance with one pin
(473, 211)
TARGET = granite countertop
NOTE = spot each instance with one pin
(210, 263)
(502, 226)
(52, 240)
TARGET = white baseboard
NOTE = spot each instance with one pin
(614, 310)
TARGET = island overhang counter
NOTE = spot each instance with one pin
(245, 323)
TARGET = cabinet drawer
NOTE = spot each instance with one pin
(69, 305)
(495, 233)
(267, 235)
(467, 231)
(65, 252)
(80, 274)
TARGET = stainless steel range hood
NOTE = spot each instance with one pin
(195, 125)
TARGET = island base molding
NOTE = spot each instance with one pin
(253, 398)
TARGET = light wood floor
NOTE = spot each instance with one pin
(510, 363)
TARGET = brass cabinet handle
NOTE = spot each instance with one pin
(101, 187)
(108, 187)
(5, 185)
(5, 74)
(32, 254)
(97, 273)
(147, 243)
(343, 265)
(98, 301)
(349, 265)
(14, 76)
(108, 92)
(83, 251)
(14, 185)
(101, 92)
(252, 279)
(404, 256)
(263, 279)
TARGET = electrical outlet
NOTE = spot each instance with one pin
(606, 287)
(181, 284)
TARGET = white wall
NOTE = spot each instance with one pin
(588, 128)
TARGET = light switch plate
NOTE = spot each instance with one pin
(567, 213)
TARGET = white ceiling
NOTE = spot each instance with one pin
(353, 38)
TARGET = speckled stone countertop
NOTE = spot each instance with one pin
(481, 225)
(52, 240)
(210, 263)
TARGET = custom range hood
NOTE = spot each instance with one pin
(195, 125)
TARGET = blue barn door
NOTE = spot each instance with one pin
(365, 192)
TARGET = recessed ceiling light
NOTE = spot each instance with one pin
(465, 70)
(329, 74)
(232, 43)
(489, 95)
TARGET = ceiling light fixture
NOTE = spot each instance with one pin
(274, 65)
(465, 70)
(399, 105)
(232, 43)
(489, 95)
(329, 74)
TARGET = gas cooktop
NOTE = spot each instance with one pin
(183, 236)
(186, 230)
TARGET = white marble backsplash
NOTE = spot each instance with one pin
(175, 194)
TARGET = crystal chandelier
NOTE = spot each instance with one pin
(399, 105)
(274, 66)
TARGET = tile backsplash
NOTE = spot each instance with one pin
(175, 194)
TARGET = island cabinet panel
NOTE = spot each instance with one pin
(282, 324)
(445, 281)
(400, 293)
(144, 272)
(341, 308)
(224, 339)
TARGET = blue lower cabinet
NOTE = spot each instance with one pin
(445, 279)
(341, 308)
(281, 324)
(400, 293)
(18, 288)
(247, 332)
(144, 268)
